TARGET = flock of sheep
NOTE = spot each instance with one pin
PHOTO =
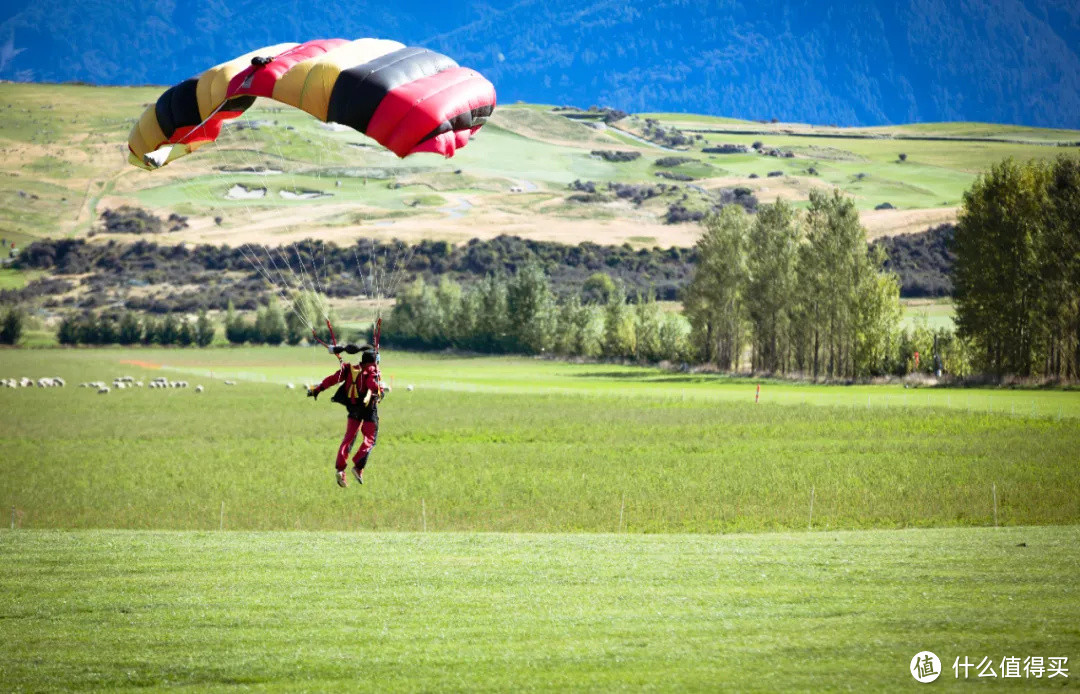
(30, 383)
(123, 382)
(119, 383)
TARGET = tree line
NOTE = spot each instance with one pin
(775, 292)
(144, 276)
(132, 329)
(1017, 269)
(803, 292)
(520, 313)
(270, 326)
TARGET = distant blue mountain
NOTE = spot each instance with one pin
(849, 63)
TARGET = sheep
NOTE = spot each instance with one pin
(230, 383)
(290, 386)
(59, 382)
(198, 389)
(44, 383)
(409, 387)
(103, 390)
(25, 382)
(139, 384)
(120, 386)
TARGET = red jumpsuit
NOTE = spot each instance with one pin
(359, 381)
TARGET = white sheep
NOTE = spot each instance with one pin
(103, 390)
(290, 386)
(139, 384)
(409, 387)
(230, 383)
(59, 382)
(198, 389)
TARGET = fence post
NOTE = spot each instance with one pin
(221, 518)
(423, 513)
(810, 524)
(994, 489)
(622, 508)
(12, 517)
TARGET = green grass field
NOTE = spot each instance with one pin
(934, 313)
(523, 445)
(123, 611)
(525, 525)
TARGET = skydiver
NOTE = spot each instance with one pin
(360, 392)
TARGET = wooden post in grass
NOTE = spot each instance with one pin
(810, 525)
(993, 487)
(423, 514)
(622, 508)
(12, 517)
(221, 518)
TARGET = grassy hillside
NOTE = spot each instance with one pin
(63, 163)
(492, 612)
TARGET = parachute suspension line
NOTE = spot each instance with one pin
(249, 255)
(401, 269)
(315, 286)
(375, 277)
(255, 263)
(260, 169)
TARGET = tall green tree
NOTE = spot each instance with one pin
(237, 331)
(996, 276)
(204, 330)
(270, 324)
(772, 258)
(714, 299)
(530, 310)
(170, 330)
(130, 330)
(492, 322)
(833, 269)
(12, 326)
(1059, 253)
(648, 323)
(67, 333)
(619, 338)
(185, 333)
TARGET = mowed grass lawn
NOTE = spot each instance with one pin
(521, 445)
(117, 577)
(124, 611)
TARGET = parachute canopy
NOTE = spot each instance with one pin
(408, 99)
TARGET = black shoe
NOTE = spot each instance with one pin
(358, 474)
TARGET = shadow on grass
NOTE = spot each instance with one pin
(667, 377)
